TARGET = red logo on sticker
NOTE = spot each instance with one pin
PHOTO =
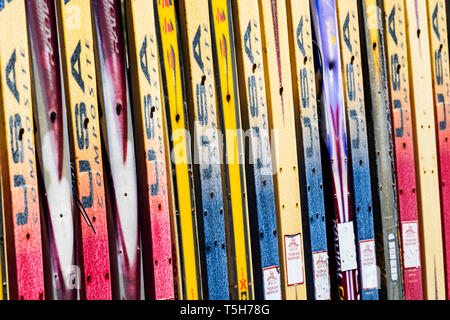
(220, 16)
(293, 243)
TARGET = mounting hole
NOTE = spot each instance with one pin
(177, 118)
(398, 68)
(156, 262)
(28, 236)
(86, 123)
(21, 133)
(228, 97)
(418, 33)
(254, 68)
(88, 279)
(159, 206)
(281, 91)
(211, 194)
(305, 60)
(52, 116)
(352, 60)
(203, 80)
(119, 109)
(331, 66)
(94, 218)
(374, 46)
(152, 111)
(107, 275)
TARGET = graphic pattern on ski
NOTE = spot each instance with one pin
(438, 24)
(398, 67)
(305, 102)
(283, 137)
(203, 117)
(119, 140)
(19, 177)
(333, 105)
(150, 152)
(237, 221)
(76, 30)
(357, 127)
(384, 189)
(426, 149)
(261, 197)
(178, 129)
(53, 147)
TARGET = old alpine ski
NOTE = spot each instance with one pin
(150, 151)
(437, 25)
(78, 66)
(22, 224)
(117, 130)
(203, 122)
(261, 197)
(309, 153)
(334, 126)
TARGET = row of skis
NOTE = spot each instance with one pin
(225, 149)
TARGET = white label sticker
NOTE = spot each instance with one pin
(272, 283)
(321, 276)
(393, 257)
(294, 259)
(347, 246)
(411, 251)
(368, 264)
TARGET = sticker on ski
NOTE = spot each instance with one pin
(357, 136)
(309, 153)
(178, 129)
(261, 197)
(203, 117)
(150, 152)
(236, 218)
(77, 53)
(398, 72)
(278, 82)
(22, 225)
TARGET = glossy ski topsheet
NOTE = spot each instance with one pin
(178, 129)
(54, 156)
(263, 224)
(240, 264)
(19, 177)
(357, 126)
(305, 102)
(437, 25)
(150, 151)
(284, 146)
(203, 117)
(384, 190)
(426, 149)
(333, 105)
(398, 68)
(117, 128)
(77, 51)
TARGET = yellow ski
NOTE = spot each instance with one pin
(239, 251)
(426, 151)
(176, 115)
(278, 82)
(20, 196)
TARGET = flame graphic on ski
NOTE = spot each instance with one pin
(325, 23)
(54, 146)
(119, 143)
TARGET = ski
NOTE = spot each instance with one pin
(398, 72)
(384, 189)
(176, 113)
(280, 104)
(334, 127)
(349, 35)
(426, 149)
(261, 197)
(22, 220)
(236, 218)
(77, 55)
(3, 271)
(117, 130)
(150, 153)
(309, 153)
(53, 148)
(203, 122)
(438, 19)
